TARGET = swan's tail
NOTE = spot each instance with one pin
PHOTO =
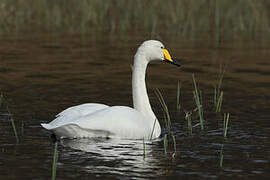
(46, 126)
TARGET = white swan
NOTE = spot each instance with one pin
(99, 120)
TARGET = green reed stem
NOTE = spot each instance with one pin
(165, 143)
(22, 129)
(144, 149)
(221, 157)
(217, 22)
(201, 102)
(197, 101)
(14, 129)
(219, 102)
(215, 97)
(1, 100)
(178, 105)
(13, 125)
(167, 120)
(220, 79)
(225, 124)
(189, 123)
(174, 143)
(218, 94)
(164, 108)
(55, 159)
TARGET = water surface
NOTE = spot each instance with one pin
(41, 75)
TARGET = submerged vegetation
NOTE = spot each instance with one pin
(169, 133)
(189, 115)
(198, 100)
(218, 94)
(55, 160)
(14, 129)
(178, 93)
(1, 100)
(207, 19)
(217, 102)
(225, 124)
(10, 116)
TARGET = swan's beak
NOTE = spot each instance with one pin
(169, 59)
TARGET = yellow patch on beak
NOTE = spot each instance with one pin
(167, 55)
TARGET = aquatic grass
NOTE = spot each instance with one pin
(55, 160)
(165, 110)
(1, 100)
(221, 157)
(219, 102)
(144, 149)
(218, 99)
(226, 118)
(217, 22)
(166, 115)
(174, 143)
(198, 101)
(13, 125)
(218, 93)
(22, 128)
(165, 143)
(14, 129)
(11, 117)
(178, 93)
(215, 97)
(225, 19)
(189, 121)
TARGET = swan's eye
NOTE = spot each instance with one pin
(162, 47)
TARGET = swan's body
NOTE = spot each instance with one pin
(99, 120)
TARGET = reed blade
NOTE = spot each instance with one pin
(189, 123)
(225, 124)
(1, 100)
(197, 99)
(55, 160)
(165, 143)
(14, 129)
(178, 105)
(221, 157)
(144, 149)
(164, 108)
(219, 102)
(174, 143)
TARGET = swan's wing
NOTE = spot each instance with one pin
(82, 109)
(117, 121)
(75, 112)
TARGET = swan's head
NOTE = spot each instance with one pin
(154, 50)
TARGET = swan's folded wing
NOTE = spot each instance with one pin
(71, 114)
(120, 121)
(115, 121)
(83, 109)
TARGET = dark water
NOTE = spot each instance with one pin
(42, 75)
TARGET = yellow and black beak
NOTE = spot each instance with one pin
(169, 59)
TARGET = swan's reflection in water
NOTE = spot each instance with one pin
(115, 156)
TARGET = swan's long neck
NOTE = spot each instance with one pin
(139, 92)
